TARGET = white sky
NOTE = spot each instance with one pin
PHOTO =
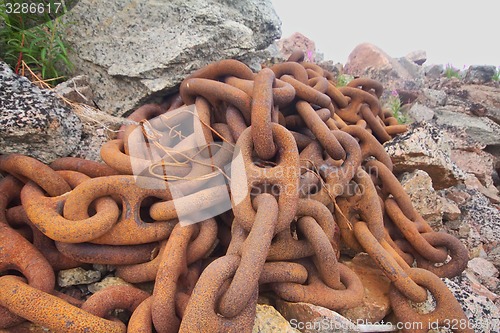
(461, 33)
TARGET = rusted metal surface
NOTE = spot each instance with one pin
(447, 308)
(50, 311)
(307, 178)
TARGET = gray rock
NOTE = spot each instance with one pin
(433, 97)
(487, 96)
(418, 185)
(424, 147)
(451, 211)
(481, 215)
(418, 56)
(138, 50)
(494, 256)
(480, 129)
(482, 313)
(34, 121)
(482, 267)
(479, 74)
(434, 71)
(477, 162)
(77, 276)
(419, 112)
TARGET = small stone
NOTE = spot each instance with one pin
(451, 211)
(269, 320)
(407, 96)
(104, 269)
(457, 196)
(76, 276)
(491, 192)
(478, 162)
(309, 318)
(482, 267)
(376, 304)
(76, 89)
(494, 256)
(477, 286)
(107, 282)
(487, 276)
(419, 112)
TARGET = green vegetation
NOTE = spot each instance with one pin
(39, 47)
(451, 71)
(344, 79)
(394, 104)
(496, 76)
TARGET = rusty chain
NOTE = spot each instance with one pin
(308, 179)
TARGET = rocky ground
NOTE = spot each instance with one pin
(448, 161)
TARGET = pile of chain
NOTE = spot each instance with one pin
(317, 183)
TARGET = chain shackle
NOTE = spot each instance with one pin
(247, 176)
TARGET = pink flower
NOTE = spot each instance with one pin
(309, 55)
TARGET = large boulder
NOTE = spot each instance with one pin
(34, 121)
(137, 50)
(297, 41)
(479, 74)
(369, 60)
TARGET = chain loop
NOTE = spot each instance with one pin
(447, 310)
